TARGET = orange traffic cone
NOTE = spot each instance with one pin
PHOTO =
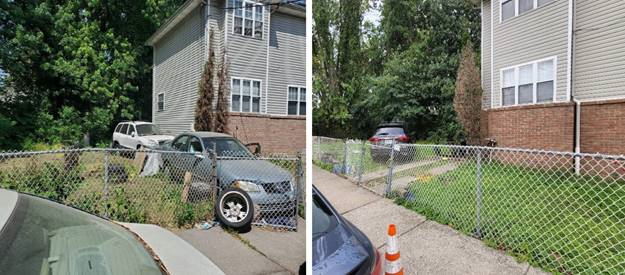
(393, 264)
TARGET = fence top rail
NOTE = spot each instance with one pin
(504, 149)
(14, 154)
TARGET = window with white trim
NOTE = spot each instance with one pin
(245, 95)
(248, 18)
(160, 102)
(512, 8)
(296, 101)
(528, 83)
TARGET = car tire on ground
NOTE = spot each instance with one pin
(234, 208)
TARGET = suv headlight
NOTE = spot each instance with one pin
(247, 186)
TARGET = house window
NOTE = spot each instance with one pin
(528, 83)
(296, 101)
(508, 9)
(512, 8)
(248, 18)
(245, 96)
(160, 102)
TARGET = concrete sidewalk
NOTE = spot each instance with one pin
(426, 247)
(260, 251)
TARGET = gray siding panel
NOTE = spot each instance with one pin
(247, 56)
(537, 34)
(177, 67)
(485, 52)
(287, 59)
(599, 71)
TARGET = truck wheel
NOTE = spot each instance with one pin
(234, 208)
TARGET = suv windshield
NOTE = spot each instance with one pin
(228, 147)
(43, 237)
(390, 131)
(147, 130)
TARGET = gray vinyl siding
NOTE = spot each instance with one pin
(599, 71)
(178, 60)
(534, 35)
(247, 56)
(485, 53)
(287, 59)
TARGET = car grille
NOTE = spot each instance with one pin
(277, 187)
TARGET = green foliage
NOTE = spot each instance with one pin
(82, 65)
(403, 69)
(49, 180)
(518, 213)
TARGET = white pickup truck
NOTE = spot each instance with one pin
(137, 134)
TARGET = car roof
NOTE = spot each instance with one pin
(8, 200)
(136, 122)
(203, 134)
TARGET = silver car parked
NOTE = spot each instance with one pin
(270, 188)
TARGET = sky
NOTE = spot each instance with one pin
(373, 15)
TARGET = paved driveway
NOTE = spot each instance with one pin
(426, 247)
(260, 251)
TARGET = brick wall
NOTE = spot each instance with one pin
(543, 126)
(551, 126)
(603, 127)
(276, 134)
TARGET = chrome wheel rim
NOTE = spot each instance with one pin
(234, 207)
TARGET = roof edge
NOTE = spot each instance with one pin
(180, 14)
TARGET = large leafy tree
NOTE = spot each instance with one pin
(79, 59)
(404, 69)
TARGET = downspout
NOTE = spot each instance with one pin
(569, 89)
(268, 36)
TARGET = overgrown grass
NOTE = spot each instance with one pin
(553, 219)
(127, 198)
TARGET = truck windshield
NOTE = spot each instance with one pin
(43, 237)
(147, 130)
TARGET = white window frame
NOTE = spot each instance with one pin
(516, 8)
(254, 7)
(535, 82)
(260, 95)
(299, 97)
(157, 102)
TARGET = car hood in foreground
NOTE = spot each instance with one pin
(342, 250)
(178, 256)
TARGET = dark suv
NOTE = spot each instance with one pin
(389, 137)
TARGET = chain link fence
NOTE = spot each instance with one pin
(561, 211)
(167, 188)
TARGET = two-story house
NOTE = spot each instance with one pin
(553, 74)
(265, 47)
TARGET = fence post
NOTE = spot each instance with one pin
(105, 191)
(318, 148)
(298, 180)
(345, 157)
(362, 162)
(389, 178)
(478, 195)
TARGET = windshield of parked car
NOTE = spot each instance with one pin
(147, 130)
(322, 216)
(43, 237)
(228, 147)
(390, 131)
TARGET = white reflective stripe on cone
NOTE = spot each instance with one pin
(393, 267)
(392, 246)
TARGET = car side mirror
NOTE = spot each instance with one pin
(133, 134)
(199, 156)
(256, 146)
